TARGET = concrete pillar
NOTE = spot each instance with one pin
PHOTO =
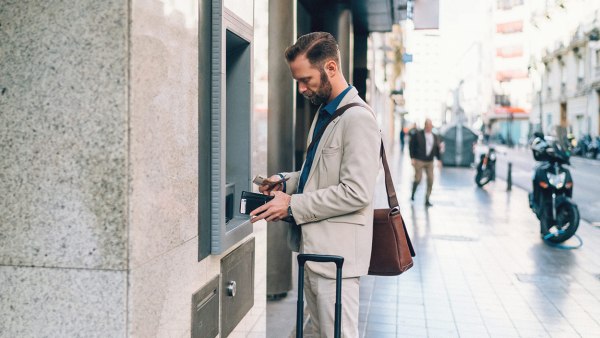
(337, 20)
(280, 142)
(344, 37)
(361, 72)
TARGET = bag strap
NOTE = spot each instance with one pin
(336, 113)
(389, 184)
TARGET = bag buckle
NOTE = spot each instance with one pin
(395, 211)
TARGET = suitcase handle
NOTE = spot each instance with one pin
(303, 258)
(339, 261)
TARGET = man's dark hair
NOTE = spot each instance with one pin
(318, 48)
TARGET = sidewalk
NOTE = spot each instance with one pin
(481, 269)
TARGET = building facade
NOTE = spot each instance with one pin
(566, 66)
(509, 120)
(423, 92)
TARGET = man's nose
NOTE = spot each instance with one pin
(301, 87)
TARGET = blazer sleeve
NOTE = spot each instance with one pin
(358, 172)
(412, 144)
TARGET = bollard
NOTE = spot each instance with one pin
(509, 177)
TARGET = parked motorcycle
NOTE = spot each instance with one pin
(552, 190)
(486, 168)
(593, 148)
(587, 146)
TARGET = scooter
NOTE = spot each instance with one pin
(486, 168)
(593, 148)
(586, 147)
(552, 190)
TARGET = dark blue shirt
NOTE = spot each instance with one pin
(325, 115)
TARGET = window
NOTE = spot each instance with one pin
(563, 78)
(580, 71)
(508, 4)
(510, 27)
(509, 51)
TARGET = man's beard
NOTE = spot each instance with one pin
(323, 92)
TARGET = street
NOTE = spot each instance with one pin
(585, 173)
(481, 269)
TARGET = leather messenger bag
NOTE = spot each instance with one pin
(392, 250)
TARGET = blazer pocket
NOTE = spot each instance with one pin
(354, 218)
(331, 150)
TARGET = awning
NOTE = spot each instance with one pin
(377, 15)
(508, 113)
(367, 15)
(509, 110)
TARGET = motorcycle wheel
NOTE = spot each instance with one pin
(565, 226)
(482, 178)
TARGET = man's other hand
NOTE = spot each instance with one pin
(266, 189)
(273, 211)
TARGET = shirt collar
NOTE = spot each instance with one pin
(332, 106)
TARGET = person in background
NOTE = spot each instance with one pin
(424, 146)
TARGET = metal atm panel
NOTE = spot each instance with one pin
(231, 125)
(237, 286)
(205, 311)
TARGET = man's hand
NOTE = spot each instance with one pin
(275, 210)
(413, 162)
(266, 189)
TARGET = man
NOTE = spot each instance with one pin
(424, 145)
(331, 198)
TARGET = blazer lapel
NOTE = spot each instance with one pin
(312, 127)
(348, 98)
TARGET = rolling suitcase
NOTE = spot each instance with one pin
(339, 261)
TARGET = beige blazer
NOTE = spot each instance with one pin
(335, 210)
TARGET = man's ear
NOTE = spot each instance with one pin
(331, 68)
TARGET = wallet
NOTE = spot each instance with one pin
(251, 201)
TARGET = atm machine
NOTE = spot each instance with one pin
(225, 36)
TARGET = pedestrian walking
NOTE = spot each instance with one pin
(424, 146)
(402, 138)
(331, 197)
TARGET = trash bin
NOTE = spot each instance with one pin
(458, 141)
